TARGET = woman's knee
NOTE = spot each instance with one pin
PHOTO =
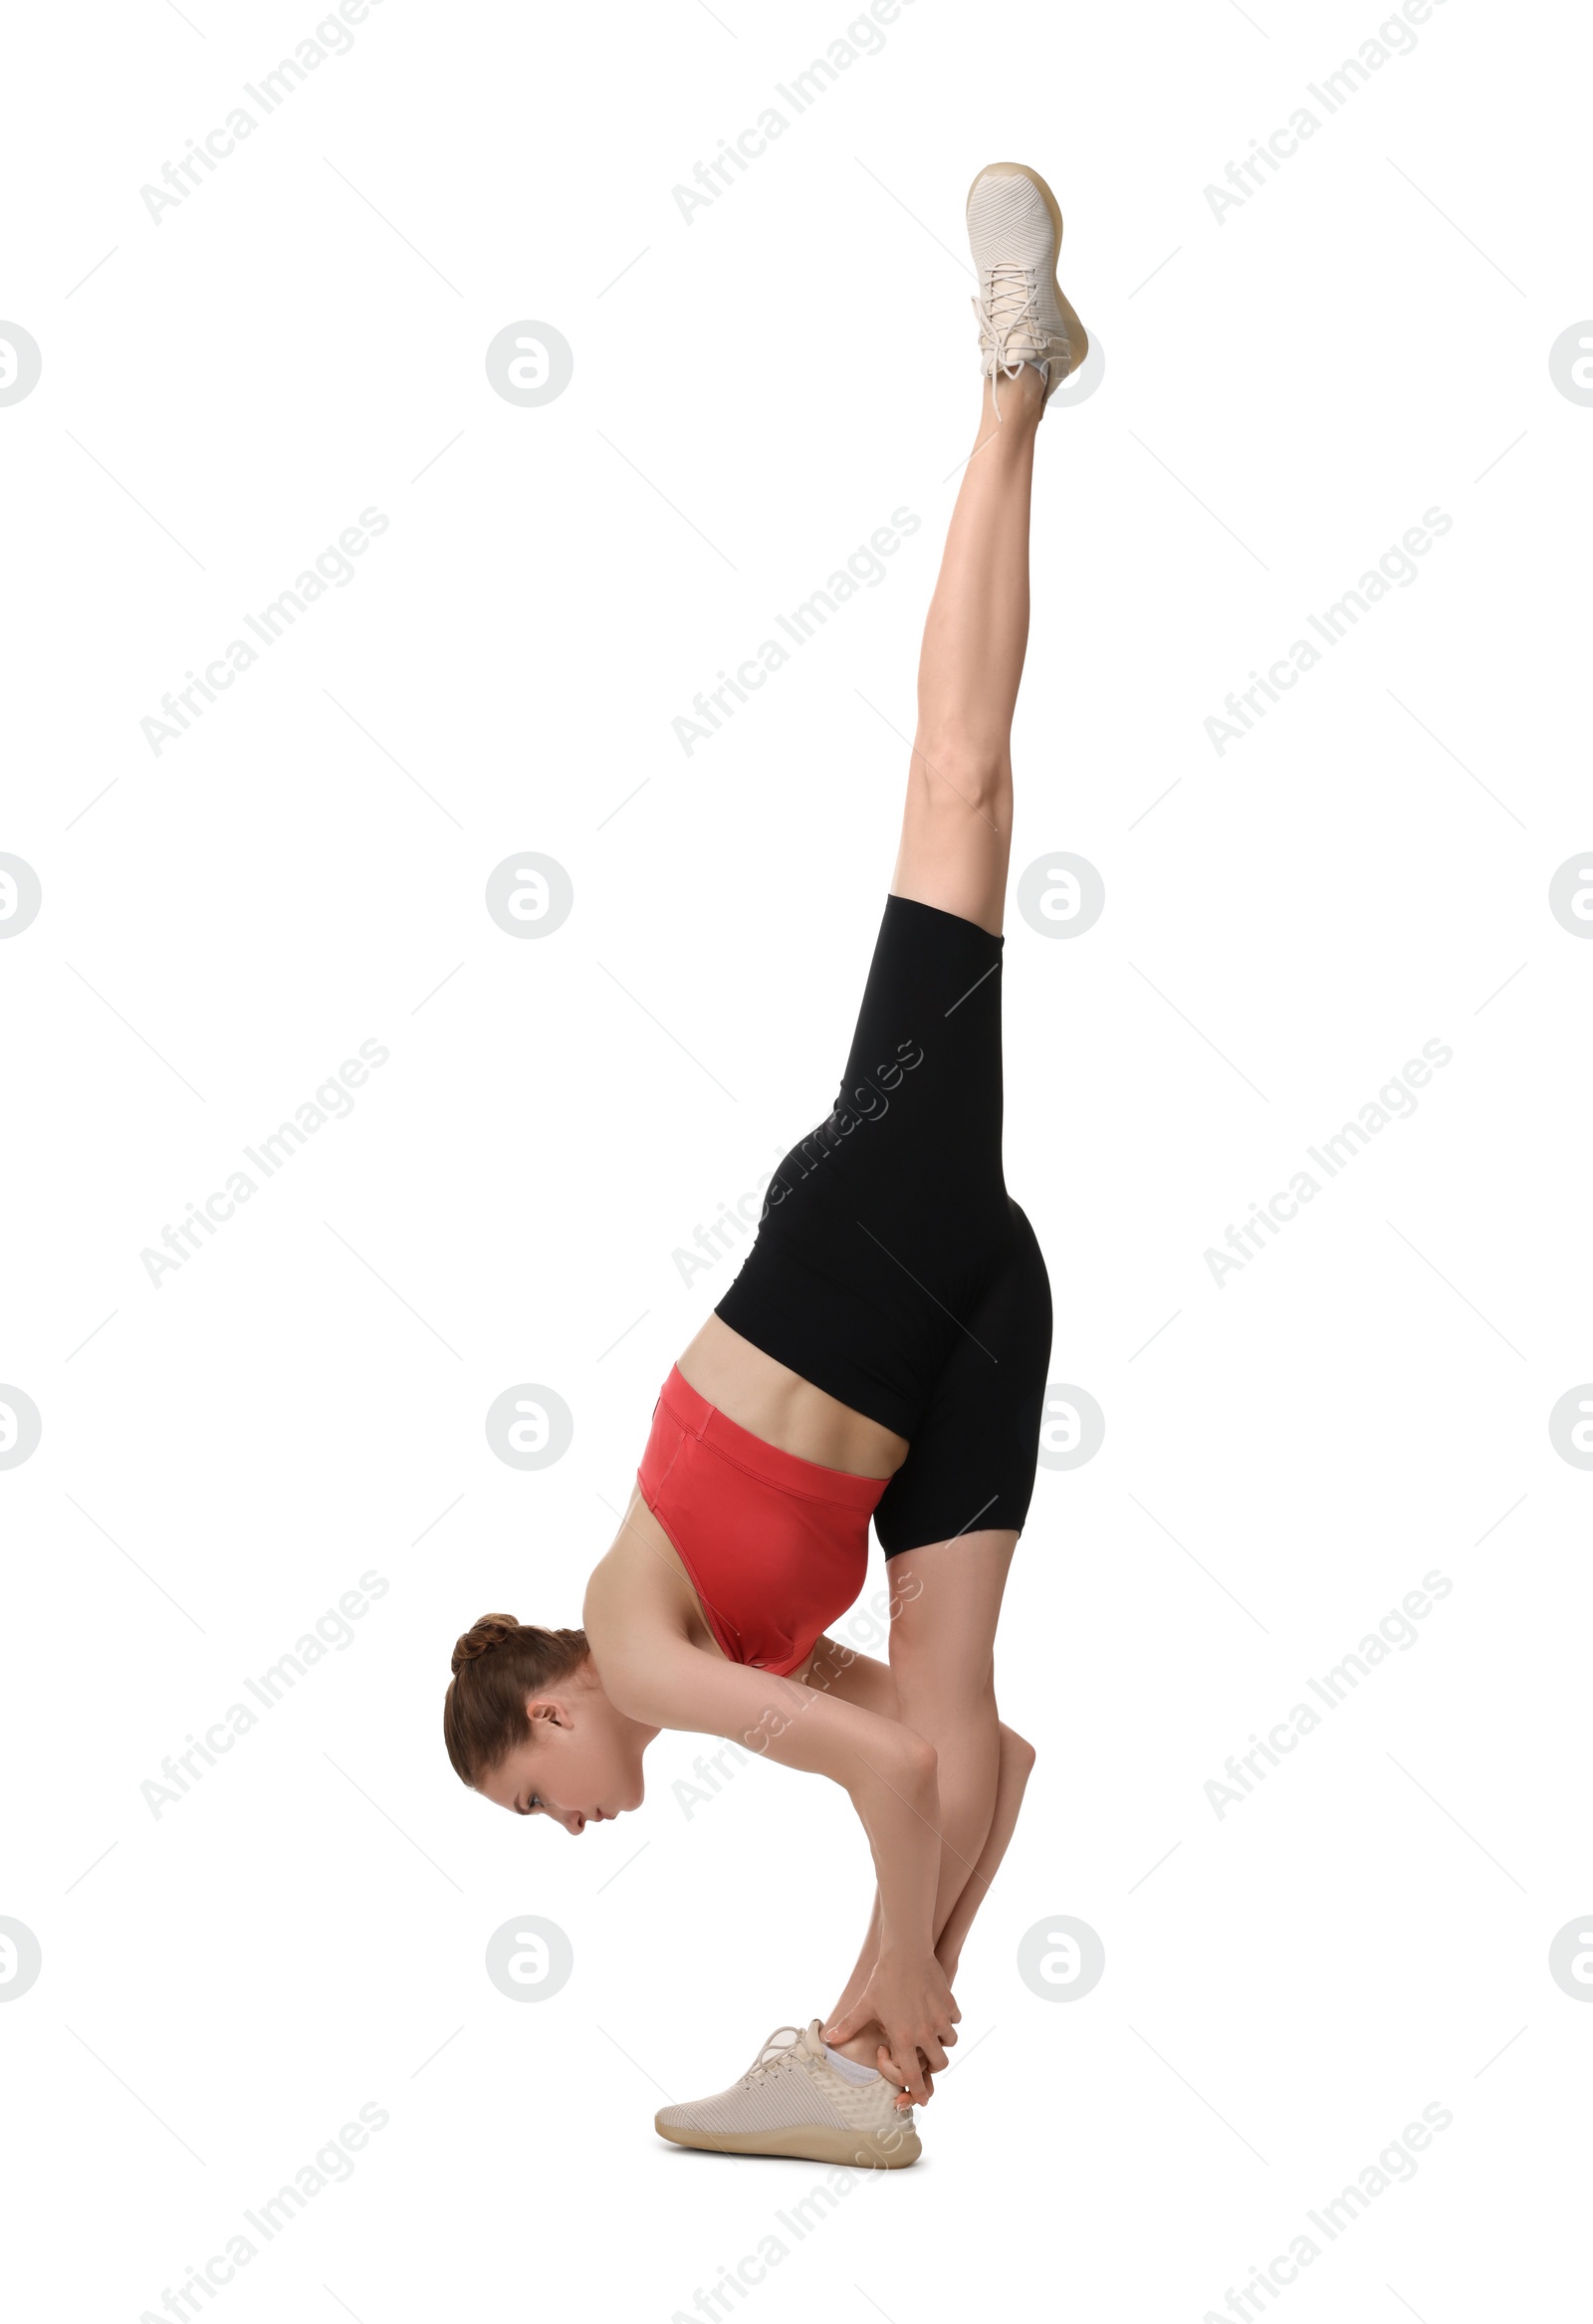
(957, 769)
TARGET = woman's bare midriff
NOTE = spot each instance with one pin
(778, 1405)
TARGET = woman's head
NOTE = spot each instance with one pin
(527, 1725)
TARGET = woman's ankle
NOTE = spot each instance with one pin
(862, 2048)
(1020, 399)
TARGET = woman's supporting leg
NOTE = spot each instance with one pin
(957, 827)
(1015, 1763)
(1015, 1766)
(945, 1603)
(947, 1599)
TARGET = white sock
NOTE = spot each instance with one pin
(847, 2070)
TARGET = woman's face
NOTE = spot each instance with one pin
(579, 1762)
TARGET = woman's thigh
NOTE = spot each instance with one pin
(972, 1456)
(882, 1226)
(947, 1601)
(916, 1127)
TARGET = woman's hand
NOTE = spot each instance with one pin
(913, 2003)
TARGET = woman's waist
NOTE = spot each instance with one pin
(746, 1398)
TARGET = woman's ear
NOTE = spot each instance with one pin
(545, 1709)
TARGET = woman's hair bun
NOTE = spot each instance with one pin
(498, 1665)
(483, 1635)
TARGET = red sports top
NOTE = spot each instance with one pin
(774, 1547)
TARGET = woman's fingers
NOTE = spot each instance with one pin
(891, 2072)
(902, 2102)
(909, 2082)
(843, 2029)
(911, 2078)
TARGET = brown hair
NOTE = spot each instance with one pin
(495, 1664)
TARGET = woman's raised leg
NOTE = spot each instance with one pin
(955, 848)
(958, 825)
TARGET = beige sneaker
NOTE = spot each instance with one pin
(791, 2101)
(1014, 230)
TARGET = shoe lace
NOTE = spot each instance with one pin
(1006, 305)
(774, 2054)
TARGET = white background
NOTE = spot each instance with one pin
(1285, 392)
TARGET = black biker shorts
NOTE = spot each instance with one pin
(891, 1267)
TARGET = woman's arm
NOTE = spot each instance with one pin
(887, 1771)
(857, 1678)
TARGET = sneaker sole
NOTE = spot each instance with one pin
(812, 2143)
(1022, 170)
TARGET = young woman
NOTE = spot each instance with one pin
(882, 1353)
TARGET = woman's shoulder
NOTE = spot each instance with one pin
(649, 1637)
(639, 1594)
